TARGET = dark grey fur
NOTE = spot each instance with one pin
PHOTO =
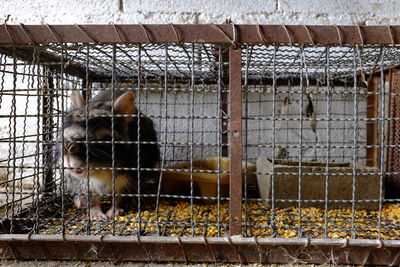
(99, 129)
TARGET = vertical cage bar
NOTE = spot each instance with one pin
(303, 74)
(85, 83)
(47, 106)
(165, 141)
(219, 141)
(191, 130)
(222, 76)
(245, 143)
(328, 93)
(138, 95)
(274, 120)
(382, 121)
(235, 117)
(393, 156)
(37, 170)
(62, 174)
(13, 145)
(354, 150)
(113, 85)
(372, 125)
(84, 91)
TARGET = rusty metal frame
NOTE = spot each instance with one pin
(236, 147)
(206, 33)
(233, 248)
(200, 249)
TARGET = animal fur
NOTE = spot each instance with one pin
(92, 121)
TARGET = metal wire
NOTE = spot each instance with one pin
(382, 133)
(62, 175)
(302, 105)
(139, 84)
(353, 185)
(12, 148)
(88, 191)
(113, 134)
(328, 139)
(219, 138)
(191, 130)
(272, 224)
(247, 59)
(38, 140)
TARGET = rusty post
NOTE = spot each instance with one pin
(235, 116)
(372, 125)
(392, 187)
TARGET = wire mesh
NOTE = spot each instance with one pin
(170, 92)
(306, 142)
(312, 139)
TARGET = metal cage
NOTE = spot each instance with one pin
(277, 143)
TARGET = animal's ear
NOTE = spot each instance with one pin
(77, 100)
(125, 104)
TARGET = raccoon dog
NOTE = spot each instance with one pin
(92, 121)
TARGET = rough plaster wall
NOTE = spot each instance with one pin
(314, 134)
(368, 12)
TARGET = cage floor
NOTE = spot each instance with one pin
(179, 218)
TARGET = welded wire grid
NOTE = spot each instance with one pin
(314, 113)
(29, 122)
(169, 83)
(184, 90)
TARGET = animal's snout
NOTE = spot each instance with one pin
(71, 148)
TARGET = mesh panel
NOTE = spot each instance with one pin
(307, 124)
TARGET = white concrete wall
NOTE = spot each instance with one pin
(368, 12)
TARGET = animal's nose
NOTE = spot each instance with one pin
(71, 148)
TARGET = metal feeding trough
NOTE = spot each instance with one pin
(336, 185)
(207, 175)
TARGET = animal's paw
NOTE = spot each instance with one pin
(118, 212)
(79, 202)
(97, 214)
